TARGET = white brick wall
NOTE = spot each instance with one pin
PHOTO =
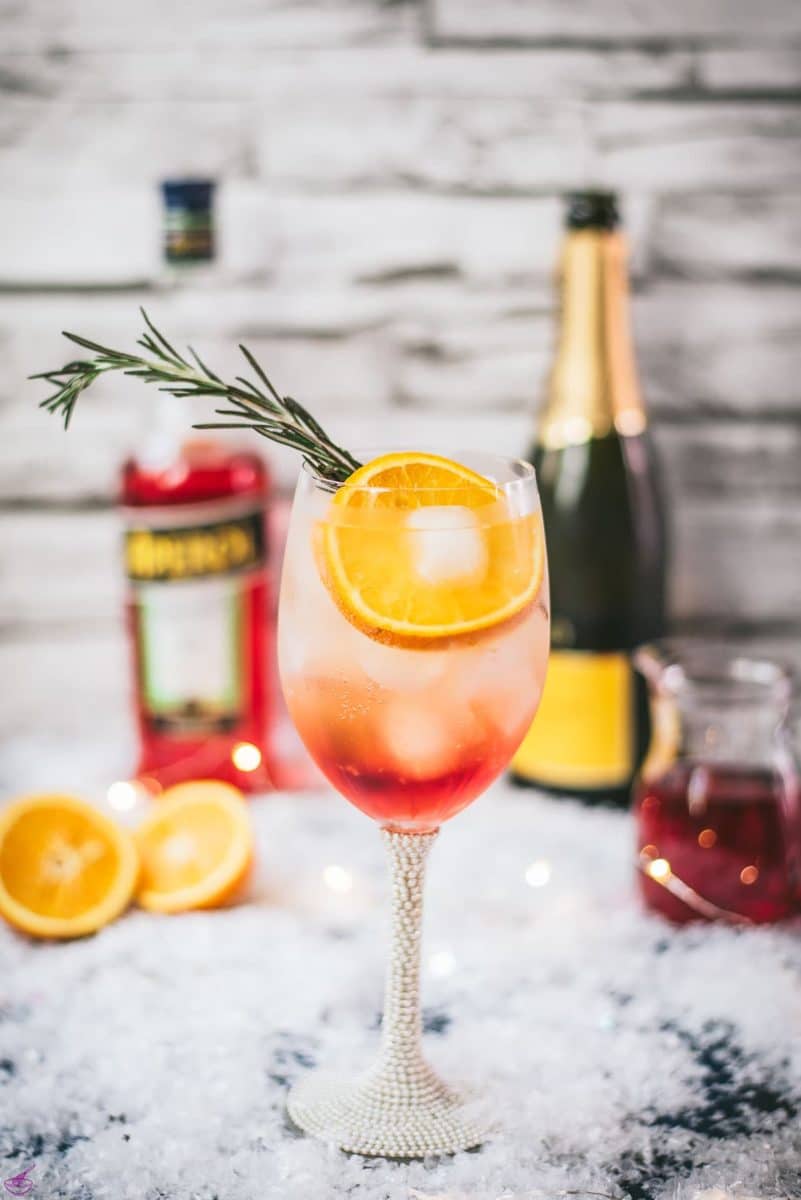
(389, 214)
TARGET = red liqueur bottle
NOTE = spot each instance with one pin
(199, 610)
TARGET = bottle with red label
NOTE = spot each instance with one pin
(200, 607)
(197, 555)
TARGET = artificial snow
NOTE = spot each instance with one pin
(618, 1055)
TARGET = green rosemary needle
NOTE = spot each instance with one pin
(252, 405)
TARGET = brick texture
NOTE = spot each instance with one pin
(389, 217)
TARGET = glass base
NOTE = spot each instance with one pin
(382, 1115)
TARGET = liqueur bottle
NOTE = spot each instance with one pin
(603, 514)
(189, 247)
(200, 610)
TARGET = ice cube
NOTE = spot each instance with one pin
(419, 738)
(503, 671)
(400, 670)
(447, 544)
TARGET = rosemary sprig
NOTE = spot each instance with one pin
(253, 405)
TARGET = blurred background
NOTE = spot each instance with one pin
(388, 212)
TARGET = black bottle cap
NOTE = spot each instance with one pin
(189, 195)
(592, 210)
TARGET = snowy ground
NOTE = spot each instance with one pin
(619, 1056)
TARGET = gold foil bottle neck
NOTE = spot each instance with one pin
(593, 387)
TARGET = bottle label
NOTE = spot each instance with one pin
(189, 585)
(170, 553)
(582, 735)
(188, 238)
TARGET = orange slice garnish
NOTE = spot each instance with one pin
(417, 548)
(196, 847)
(65, 868)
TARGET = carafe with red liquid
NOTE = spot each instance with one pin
(199, 610)
(717, 800)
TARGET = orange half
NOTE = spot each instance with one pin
(65, 868)
(417, 548)
(196, 847)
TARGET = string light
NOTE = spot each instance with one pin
(707, 838)
(659, 869)
(538, 874)
(245, 756)
(441, 963)
(123, 795)
(337, 878)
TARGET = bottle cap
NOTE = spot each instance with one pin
(188, 220)
(592, 210)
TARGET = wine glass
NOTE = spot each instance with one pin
(410, 729)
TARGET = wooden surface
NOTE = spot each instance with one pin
(389, 218)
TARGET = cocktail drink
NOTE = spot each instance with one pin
(413, 638)
(411, 726)
(413, 641)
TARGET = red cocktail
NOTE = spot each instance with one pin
(413, 640)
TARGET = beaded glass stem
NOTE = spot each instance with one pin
(400, 1108)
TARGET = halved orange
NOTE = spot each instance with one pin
(416, 548)
(65, 868)
(196, 847)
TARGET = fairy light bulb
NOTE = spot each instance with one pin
(337, 878)
(659, 869)
(123, 795)
(246, 757)
(538, 874)
(441, 963)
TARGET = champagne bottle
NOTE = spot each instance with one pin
(604, 525)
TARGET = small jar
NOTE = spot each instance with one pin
(717, 799)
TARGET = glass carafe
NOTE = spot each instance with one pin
(717, 798)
